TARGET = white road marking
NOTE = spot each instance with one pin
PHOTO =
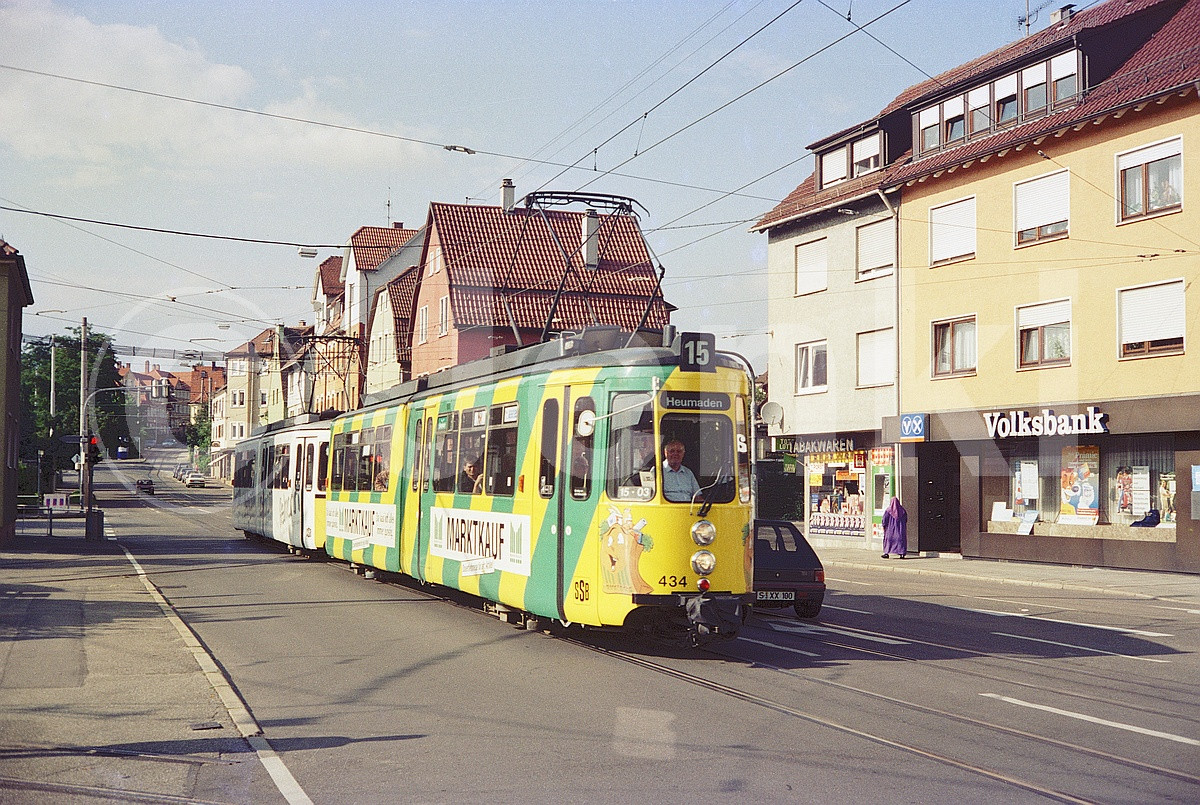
(1178, 609)
(769, 644)
(238, 712)
(1079, 648)
(644, 733)
(808, 628)
(847, 581)
(1121, 629)
(847, 609)
(1104, 722)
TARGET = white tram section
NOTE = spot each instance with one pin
(280, 475)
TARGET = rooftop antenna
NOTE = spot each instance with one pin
(389, 206)
(1032, 14)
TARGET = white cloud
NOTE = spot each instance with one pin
(101, 135)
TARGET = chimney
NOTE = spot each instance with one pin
(591, 239)
(1063, 14)
(508, 193)
(147, 367)
(397, 224)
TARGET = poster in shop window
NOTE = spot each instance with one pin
(1080, 489)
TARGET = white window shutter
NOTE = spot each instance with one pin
(1041, 201)
(812, 267)
(1152, 312)
(1150, 153)
(876, 246)
(952, 230)
(1042, 314)
(877, 358)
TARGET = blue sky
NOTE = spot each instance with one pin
(517, 81)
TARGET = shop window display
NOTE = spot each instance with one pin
(1117, 482)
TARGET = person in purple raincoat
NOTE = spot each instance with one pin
(895, 530)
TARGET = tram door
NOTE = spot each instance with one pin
(570, 486)
(304, 472)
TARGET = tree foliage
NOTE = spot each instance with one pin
(107, 411)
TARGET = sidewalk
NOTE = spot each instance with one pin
(1178, 587)
(101, 698)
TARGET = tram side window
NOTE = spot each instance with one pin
(279, 477)
(322, 466)
(299, 469)
(500, 467)
(350, 462)
(743, 450)
(582, 448)
(416, 453)
(548, 468)
(265, 468)
(310, 455)
(709, 451)
(471, 441)
(365, 471)
(631, 454)
(383, 459)
(339, 461)
(445, 453)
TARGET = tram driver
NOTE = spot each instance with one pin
(679, 484)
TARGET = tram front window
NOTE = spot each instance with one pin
(631, 453)
(708, 452)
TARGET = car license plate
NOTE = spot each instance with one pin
(776, 595)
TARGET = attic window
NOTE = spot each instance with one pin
(865, 154)
(833, 167)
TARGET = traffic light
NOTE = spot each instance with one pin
(93, 449)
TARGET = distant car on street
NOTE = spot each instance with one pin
(144, 485)
(195, 479)
(787, 572)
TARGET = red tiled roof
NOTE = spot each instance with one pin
(1168, 61)
(331, 276)
(1084, 21)
(401, 292)
(492, 255)
(374, 244)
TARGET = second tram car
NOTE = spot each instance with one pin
(279, 483)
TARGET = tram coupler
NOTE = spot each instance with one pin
(713, 615)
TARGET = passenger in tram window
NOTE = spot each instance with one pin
(469, 480)
(381, 475)
(679, 484)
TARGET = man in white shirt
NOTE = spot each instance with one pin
(679, 484)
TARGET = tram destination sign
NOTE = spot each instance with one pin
(694, 401)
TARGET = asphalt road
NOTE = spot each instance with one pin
(907, 688)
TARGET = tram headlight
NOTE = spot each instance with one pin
(704, 532)
(703, 562)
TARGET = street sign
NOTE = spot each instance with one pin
(56, 501)
(74, 439)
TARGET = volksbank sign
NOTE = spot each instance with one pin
(1002, 425)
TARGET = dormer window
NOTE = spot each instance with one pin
(1064, 71)
(866, 154)
(929, 122)
(1006, 100)
(1033, 81)
(979, 102)
(955, 123)
(833, 167)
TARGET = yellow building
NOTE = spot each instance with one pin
(1049, 237)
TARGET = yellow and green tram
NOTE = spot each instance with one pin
(537, 481)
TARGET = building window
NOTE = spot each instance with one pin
(1064, 69)
(928, 124)
(1150, 319)
(954, 347)
(865, 154)
(876, 358)
(955, 124)
(1033, 87)
(1041, 208)
(812, 371)
(812, 267)
(1044, 334)
(444, 315)
(423, 324)
(1151, 179)
(833, 167)
(979, 109)
(1005, 90)
(952, 231)
(875, 249)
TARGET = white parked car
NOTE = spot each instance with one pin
(194, 479)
